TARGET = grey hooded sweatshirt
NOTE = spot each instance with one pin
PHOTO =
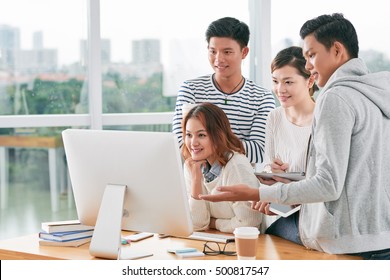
(346, 194)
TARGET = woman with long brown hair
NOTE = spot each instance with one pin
(215, 156)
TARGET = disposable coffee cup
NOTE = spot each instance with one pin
(186, 107)
(246, 242)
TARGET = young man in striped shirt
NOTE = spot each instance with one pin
(246, 104)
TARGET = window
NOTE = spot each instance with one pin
(368, 17)
(40, 70)
(45, 71)
(155, 45)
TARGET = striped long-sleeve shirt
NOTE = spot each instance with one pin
(247, 110)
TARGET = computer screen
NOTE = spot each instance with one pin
(149, 164)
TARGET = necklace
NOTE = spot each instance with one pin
(227, 94)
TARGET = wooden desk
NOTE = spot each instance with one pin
(268, 248)
(57, 167)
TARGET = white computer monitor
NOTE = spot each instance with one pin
(148, 164)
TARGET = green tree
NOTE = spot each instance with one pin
(135, 95)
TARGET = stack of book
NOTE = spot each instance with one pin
(65, 233)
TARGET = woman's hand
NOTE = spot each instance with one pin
(264, 181)
(274, 180)
(195, 170)
(279, 166)
(194, 166)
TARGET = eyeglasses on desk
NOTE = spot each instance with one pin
(212, 248)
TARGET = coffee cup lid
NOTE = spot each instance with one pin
(246, 231)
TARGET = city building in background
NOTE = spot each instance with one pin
(105, 47)
(22, 61)
(9, 44)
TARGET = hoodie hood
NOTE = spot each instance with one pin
(355, 75)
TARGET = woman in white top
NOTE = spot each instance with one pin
(215, 156)
(288, 127)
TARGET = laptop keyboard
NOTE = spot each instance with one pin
(206, 236)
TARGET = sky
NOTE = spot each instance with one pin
(122, 21)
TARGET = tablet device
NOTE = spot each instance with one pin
(293, 176)
(284, 210)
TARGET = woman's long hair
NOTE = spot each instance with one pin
(217, 125)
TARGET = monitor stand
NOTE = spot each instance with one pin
(106, 239)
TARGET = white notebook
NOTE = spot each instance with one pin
(206, 236)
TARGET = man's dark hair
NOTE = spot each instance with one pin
(328, 29)
(231, 28)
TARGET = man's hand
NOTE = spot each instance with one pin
(262, 207)
(233, 193)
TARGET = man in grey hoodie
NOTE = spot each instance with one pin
(346, 194)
